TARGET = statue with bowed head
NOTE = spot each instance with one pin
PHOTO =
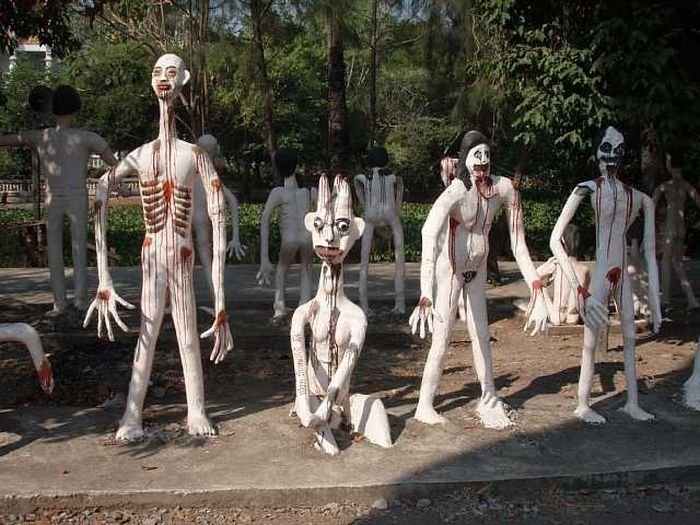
(167, 168)
(63, 153)
(337, 331)
(381, 196)
(469, 202)
(615, 205)
(294, 203)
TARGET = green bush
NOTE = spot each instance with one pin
(125, 231)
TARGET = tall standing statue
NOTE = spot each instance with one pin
(294, 203)
(381, 197)
(691, 388)
(200, 217)
(63, 153)
(471, 200)
(676, 191)
(167, 168)
(615, 205)
(337, 331)
(25, 334)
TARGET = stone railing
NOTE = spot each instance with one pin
(17, 191)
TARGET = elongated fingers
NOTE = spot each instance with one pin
(110, 333)
(422, 322)
(208, 332)
(124, 303)
(117, 319)
(430, 323)
(89, 313)
(100, 324)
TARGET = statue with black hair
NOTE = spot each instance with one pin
(381, 196)
(453, 262)
(615, 206)
(63, 153)
(293, 203)
(676, 192)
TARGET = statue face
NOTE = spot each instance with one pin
(610, 152)
(478, 161)
(333, 226)
(169, 76)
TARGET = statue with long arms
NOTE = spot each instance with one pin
(25, 334)
(615, 205)
(470, 202)
(337, 331)
(381, 196)
(166, 168)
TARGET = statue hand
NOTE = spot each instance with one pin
(423, 315)
(323, 413)
(594, 313)
(223, 340)
(539, 310)
(236, 248)
(264, 275)
(106, 304)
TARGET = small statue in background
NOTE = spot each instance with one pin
(200, 218)
(564, 296)
(25, 334)
(64, 152)
(615, 205)
(381, 196)
(338, 330)
(294, 203)
(676, 191)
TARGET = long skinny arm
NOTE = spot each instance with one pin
(650, 259)
(555, 243)
(298, 341)
(273, 201)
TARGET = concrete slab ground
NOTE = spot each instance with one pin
(56, 453)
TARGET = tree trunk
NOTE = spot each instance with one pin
(373, 75)
(257, 14)
(338, 134)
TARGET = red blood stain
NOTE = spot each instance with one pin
(221, 317)
(103, 295)
(45, 376)
(216, 185)
(168, 190)
(186, 254)
(147, 241)
(583, 292)
(537, 285)
(614, 275)
(425, 302)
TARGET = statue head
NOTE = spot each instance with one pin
(209, 144)
(65, 101)
(377, 157)
(333, 226)
(169, 76)
(285, 160)
(474, 155)
(610, 151)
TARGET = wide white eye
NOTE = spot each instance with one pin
(318, 223)
(343, 226)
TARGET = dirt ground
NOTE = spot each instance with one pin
(90, 372)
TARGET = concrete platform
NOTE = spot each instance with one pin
(64, 455)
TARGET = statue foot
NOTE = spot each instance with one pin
(588, 415)
(492, 414)
(326, 442)
(200, 426)
(636, 412)
(428, 416)
(691, 397)
(130, 433)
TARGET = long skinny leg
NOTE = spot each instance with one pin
(491, 409)
(204, 250)
(286, 257)
(78, 232)
(367, 237)
(185, 322)
(446, 299)
(400, 267)
(679, 268)
(585, 382)
(306, 257)
(54, 241)
(629, 344)
(666, 271)
(152, 310)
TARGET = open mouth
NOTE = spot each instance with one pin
(163, 88)
(328, 253)
(481, 169)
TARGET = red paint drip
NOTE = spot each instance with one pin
(103, 295)
(454, 223)
(45, 375)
